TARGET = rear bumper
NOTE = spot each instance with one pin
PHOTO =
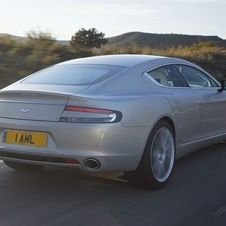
(116, 147)
(13, 155)
(107, 163)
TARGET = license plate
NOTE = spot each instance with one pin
(36, 139)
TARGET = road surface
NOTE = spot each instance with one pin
(196, 195)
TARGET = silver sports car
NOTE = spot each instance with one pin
(130, 113)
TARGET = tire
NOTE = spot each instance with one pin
(157, 163)
(22, 166)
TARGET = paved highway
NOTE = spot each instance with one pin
(196, 195)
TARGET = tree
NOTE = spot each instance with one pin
(88, 38)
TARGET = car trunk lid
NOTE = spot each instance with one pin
(39, 105)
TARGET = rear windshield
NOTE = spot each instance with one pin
(71, 74)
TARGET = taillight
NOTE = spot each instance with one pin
(76, 114)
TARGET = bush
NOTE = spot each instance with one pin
(39, 51)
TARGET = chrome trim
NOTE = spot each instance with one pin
(25, 110)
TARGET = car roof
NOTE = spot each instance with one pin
(126, 60)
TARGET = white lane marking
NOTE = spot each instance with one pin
(220, 211)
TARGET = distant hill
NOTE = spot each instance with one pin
(161, 41)
(24, 39)
(141, 39)
(17, 38)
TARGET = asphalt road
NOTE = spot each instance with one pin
(196, 195)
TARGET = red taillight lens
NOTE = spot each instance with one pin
(77, 114)
(88, 110)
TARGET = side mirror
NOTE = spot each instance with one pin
(223, 86)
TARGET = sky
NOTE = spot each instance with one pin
(63, 18)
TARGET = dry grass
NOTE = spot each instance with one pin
(207, 55)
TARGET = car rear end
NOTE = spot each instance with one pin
(56, 124)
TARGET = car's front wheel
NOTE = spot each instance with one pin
(157, 162)
(22, 166)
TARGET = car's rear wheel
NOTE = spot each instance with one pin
(157, 162)
(22, 166)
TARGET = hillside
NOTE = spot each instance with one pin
(14, 37)
(161, 41)
(24, 39)
(22, 57)
(154, 41)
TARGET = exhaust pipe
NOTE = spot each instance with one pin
(92, 164)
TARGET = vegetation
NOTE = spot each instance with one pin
(205, 54)
(88, 39)
(18, 59)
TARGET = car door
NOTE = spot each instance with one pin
(213, 103)
(186, 107)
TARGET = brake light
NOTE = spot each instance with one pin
(87, 110)
(77, 114)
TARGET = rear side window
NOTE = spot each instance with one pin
(168, 76)
(195, 77)
(72, 74)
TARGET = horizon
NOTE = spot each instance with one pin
(24, 36)
(63, 19)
